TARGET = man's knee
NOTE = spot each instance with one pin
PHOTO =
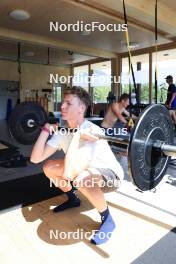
(82, 180)
(173, 115)
(53, 166)
(46, 166)
(86, 180)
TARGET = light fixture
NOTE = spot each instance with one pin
(19, 14)
(70, 52)
(29, 53)
(85, 33)
(168, 36)
(71, 59)
(133, 45)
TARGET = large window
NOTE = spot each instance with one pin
(166, 65)
(101, 81)
(141, 73)
(81, 76)
(57, 93)
(57, 96)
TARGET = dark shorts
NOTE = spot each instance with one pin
(111, 179)
(173, 108)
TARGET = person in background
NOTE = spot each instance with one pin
(171, 97)
(114, 117)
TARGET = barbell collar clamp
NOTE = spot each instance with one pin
(168, 150)
(164, 148)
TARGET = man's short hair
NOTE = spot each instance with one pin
(81, 93)
(124, 97)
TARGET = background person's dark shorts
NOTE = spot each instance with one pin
(111, 179)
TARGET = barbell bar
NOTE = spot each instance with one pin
(149, 146)
(162, 147)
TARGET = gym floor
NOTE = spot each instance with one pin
(144, 234)
(145, 222)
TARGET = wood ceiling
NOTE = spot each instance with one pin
(34, 33)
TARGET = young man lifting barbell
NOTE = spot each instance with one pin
(87, 160)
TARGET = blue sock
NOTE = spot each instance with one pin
(104, 233)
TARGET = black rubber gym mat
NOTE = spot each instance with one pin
(26, 191)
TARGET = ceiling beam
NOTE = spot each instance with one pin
(24, 37)
(93, 61)
(98, 8)
(166, 15)
(161, 47)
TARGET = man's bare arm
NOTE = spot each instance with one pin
(41, 150)
(128, 114)
(118, 114)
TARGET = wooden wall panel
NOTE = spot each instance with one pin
(33, 76)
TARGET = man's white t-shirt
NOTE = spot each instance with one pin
(101, 153)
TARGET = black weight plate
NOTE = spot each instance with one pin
(146, 165)
(25, 121)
